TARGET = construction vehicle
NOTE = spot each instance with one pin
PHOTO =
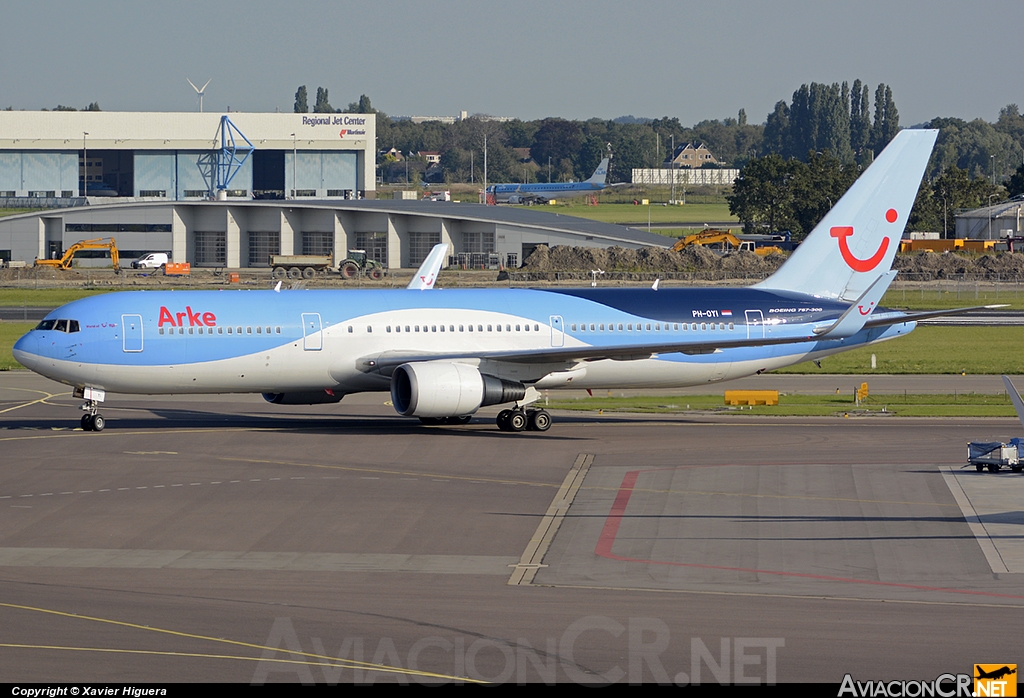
(357, 261)
(724, 240)
(300, 266)
(69, 255)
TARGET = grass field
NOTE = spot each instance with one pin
(9, 334)
(956, 405)
(659, 214)
(933, 350)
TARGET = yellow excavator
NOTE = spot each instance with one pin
(723, 239)
(69, 255)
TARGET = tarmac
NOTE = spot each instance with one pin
(222, 538)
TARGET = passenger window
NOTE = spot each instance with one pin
(620, 327)
(278, 329)
(470, 328)
(731, 327)
(518, 328)
(693, 327)
(220, 330)
(238, 330)
(433, 328)
(259, 330)
(268, 330)
(191, 330)
(407, 328)
(602, 327)
(417, 328)
(369, 329)
(387, 329)
(350, 329)
(536, 328)
(161, 330)
(181, 330)
(490, 328)
(479, 328)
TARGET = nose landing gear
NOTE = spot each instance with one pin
(92, 420)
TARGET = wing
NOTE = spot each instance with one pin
(384, 362)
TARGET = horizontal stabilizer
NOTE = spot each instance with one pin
(853, 320)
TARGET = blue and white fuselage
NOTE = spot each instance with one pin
(309, 341)
(443, 354)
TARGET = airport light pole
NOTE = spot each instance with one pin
(295, 152)
(85, 162)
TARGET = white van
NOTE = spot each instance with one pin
(153, 260)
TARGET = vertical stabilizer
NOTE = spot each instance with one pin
(1018, 404)
(600, 174)
(854, 244)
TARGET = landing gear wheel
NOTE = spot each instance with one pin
(502, 420)
(294, 273)
(98, 423)
(461, 419)
(538, 420)
(517, 420)
(86, 422)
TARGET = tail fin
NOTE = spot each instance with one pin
(1018, 404)
(600, 174)
(856, 241)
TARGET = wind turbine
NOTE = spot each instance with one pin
(199, 91)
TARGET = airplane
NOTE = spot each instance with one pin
(542, 193)
(445, 353)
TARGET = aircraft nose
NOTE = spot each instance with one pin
(25, 349)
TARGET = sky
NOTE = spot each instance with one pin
(527, 59)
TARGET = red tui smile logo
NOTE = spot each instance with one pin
(862, 265)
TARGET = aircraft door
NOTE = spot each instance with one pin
(755, 324)
(557, 331)
(312, 336)
(131, 333)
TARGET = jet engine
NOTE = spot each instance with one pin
(314, 397)
(431, 389)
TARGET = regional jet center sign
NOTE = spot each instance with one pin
(349, 125)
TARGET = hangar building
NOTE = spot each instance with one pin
(243, 233)
(172, 156)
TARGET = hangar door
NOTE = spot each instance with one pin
(320, 173)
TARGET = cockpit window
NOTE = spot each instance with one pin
(60, 325)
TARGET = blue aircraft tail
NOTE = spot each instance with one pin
(600, 174)
(854, 244)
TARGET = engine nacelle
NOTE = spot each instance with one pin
(516, 199)
(315, 397)
(432, 389)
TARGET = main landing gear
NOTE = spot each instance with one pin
(520, 419)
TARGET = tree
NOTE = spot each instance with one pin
(860, 122)
(557, 139)
(301, 104)
(762, 196)
(887, 119)
(322, 106)
(1015, 185)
